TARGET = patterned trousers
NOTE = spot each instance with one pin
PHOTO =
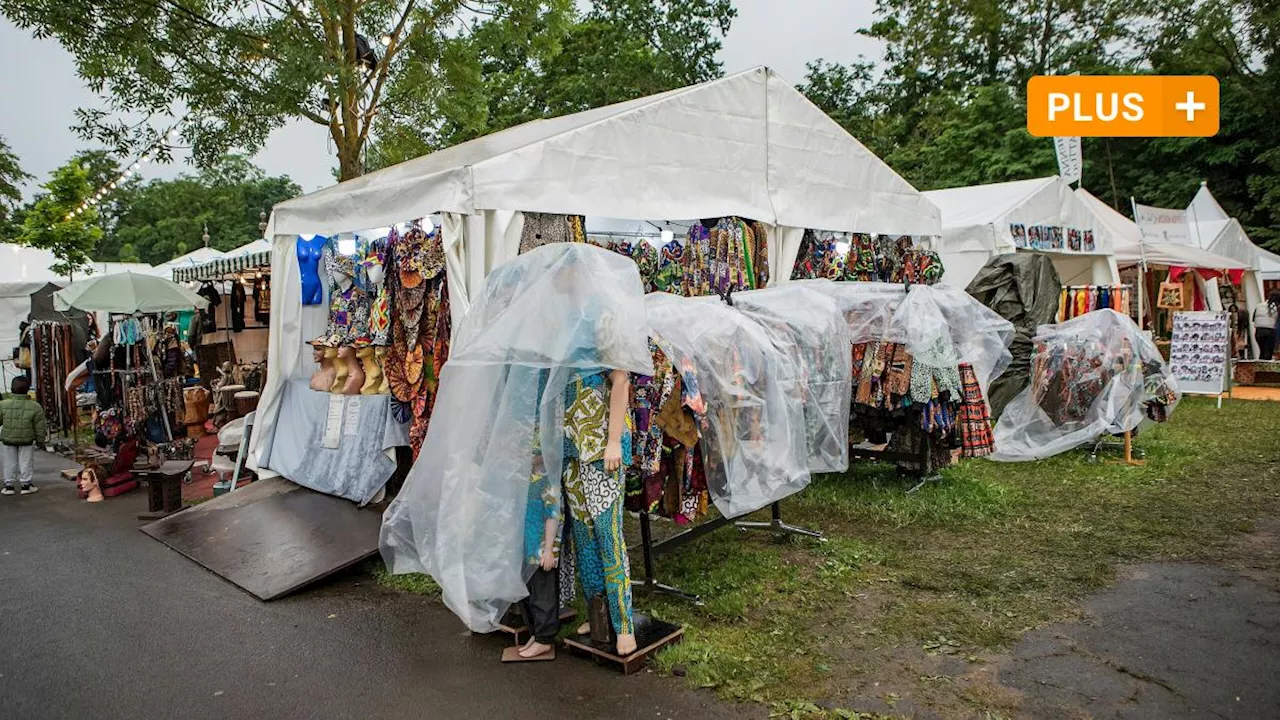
(600, 554)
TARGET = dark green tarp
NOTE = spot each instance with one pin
(1023, 288)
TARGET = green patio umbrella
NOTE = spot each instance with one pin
(127, 293)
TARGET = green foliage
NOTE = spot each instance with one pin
(46, 224)
(242, 70)
(11, 178)
(159, 220)
(948, 108)
(547, 61)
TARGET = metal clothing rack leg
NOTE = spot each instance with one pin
(650, 549)
(775, 524)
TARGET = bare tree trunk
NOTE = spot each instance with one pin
(1111, 172)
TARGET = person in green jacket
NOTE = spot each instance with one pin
(21, 427)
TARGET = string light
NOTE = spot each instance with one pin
(147, 157)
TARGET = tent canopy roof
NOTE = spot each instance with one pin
(748, 144)
(978, 218)
(1130, 248)
(985, 204)
(257, 246)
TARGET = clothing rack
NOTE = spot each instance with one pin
(1066, 309)
(650, 549)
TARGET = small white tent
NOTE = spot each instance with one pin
(748, 144)
(1130, 249)
(195, 257)
(1213, 230)
(24, 270)
(978, 224)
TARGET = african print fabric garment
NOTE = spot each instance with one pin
(595, 495)
(543, 228)
(542, 505)
(600, 557)
(974, 420)
(806, 267)
(697, 261)
(586, 434)
(349, 307)
(669, 277)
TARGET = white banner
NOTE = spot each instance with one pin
(1164, 224)
(1070, 158)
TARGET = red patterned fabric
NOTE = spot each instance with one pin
(974, 420)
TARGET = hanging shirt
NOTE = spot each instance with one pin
(209, 317)
(237, 306)
(262, 300)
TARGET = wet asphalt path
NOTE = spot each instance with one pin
(97, 620)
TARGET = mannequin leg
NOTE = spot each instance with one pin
(617, 574)
(541, 610)
(586, 559)
(603, 568)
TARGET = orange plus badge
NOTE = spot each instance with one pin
(1122, 106)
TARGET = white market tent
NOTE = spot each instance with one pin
(24, 270)
(976, 223)
(1270, 264)
(1131, 249)
(198, 256)
(1213, 230)
(748, 144)
(253, 248)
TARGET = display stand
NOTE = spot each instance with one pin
(650, 549)
(1130, 452)
(514, 625)
(651, 636)
(1200, 353)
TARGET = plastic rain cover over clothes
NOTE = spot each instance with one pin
(539, 319)
(808, 326)
(940, 325)
(753, 439)
(1091, 376)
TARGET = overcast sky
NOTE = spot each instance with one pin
(41, 90)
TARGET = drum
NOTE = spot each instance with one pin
(246, 402)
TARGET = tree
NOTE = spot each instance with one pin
(11, 178)
(948, 108)
(159, 220)
(240, 70)
(50, 224)
(550, 61)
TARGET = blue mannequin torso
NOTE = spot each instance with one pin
(309, 252)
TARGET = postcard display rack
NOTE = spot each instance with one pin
(1200, 353)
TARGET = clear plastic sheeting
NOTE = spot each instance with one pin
(940, 325)
(808, 326)
(499, 418)
(868, 307)
(976, 334)
(753, 431)
(1090, 376)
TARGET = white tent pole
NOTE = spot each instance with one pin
(1142, 266)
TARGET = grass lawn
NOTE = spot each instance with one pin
(913, 595)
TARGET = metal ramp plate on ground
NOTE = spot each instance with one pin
(272, 537)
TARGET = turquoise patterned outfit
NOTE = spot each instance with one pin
(595, 496)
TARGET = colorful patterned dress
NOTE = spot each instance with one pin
(596, 496)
